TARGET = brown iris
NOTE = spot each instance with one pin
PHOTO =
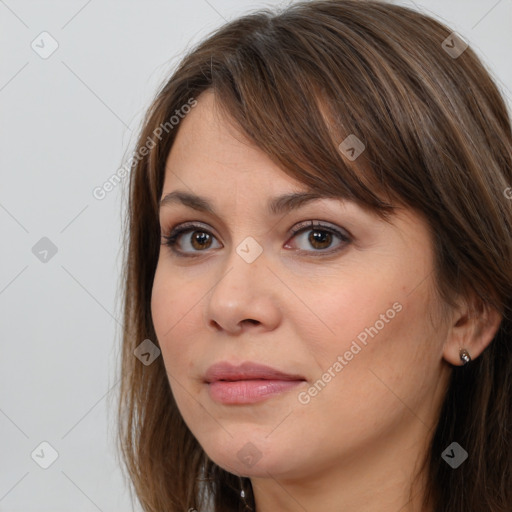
(324, 238)
(201, 238)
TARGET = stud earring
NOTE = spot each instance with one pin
(464, 356)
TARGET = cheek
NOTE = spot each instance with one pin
(172, 312)
(163, 301)
(380, 330)
(173, 317)
(387, 360)
(356, 313)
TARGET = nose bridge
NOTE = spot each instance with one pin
(242, 291)
(244, 266)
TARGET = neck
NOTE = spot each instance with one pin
(380, 478)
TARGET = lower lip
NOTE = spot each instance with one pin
(248, 391)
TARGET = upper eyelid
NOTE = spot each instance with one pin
(310, 209)
(298, 226)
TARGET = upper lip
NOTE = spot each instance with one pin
(245, 371)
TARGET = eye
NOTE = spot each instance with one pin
(194, 236)
(200, 240)
(319, 236)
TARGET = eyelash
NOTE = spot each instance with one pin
(171, 240)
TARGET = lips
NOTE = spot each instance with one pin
(246, 371)
(247, 383)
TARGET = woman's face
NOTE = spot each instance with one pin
(346, 319)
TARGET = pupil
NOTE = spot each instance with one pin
(320, 237)
(200, 238)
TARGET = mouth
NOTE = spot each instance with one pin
(247, 383)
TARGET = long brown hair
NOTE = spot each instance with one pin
(437, 138)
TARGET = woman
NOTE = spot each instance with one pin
(318, 247)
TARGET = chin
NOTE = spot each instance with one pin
(254, 456)
(250, 469)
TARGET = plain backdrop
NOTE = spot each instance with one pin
(67, 122)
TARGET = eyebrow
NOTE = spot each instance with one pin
(275, 206)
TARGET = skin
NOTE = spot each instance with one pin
(359, 441)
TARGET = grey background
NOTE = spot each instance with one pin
(67, 123)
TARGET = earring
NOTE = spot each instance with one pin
(464, 356)
(243, 495)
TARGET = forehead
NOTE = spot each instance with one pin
(211, 158)
(209, 149)
(208, 128)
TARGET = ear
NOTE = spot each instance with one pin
(473, 327)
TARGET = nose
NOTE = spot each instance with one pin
(244, 295)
